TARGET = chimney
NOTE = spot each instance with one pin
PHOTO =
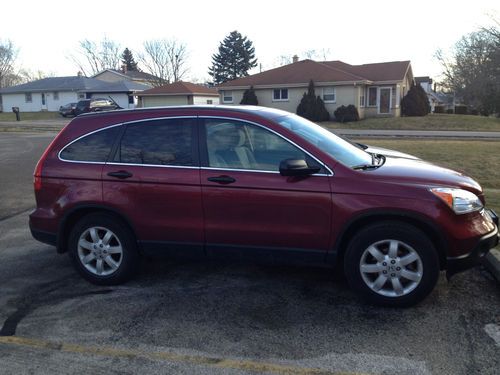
(295, 58)
(79, 74)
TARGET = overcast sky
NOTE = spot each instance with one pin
(356, 32)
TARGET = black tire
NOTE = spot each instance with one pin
(385, 280)
(118, 255)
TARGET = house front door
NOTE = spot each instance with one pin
(44, 101)
(385, 100)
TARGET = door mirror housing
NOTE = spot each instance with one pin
(297, 167)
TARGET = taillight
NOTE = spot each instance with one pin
(37, 174)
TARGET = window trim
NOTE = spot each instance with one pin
(204, 157)
(26, 97)
(281, 96)
(55, 95)
(334, 94)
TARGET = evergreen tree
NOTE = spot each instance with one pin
(415, 102)
(312, 107)
(235, 58)
(249, 97)
(128, 60)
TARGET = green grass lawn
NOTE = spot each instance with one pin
(429, 122)
(478, 159)
(9, 116)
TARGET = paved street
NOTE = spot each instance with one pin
(219, 318)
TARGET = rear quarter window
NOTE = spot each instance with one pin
(94, 147)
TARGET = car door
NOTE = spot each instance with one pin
(249, 208)
(154, 180)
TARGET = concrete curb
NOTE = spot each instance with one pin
(492, 262)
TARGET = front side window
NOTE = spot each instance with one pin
(157, 142)
(238, 145)
(372, 97)
(94, 147)
(338, 148)
(280, 94)
(329, 94)
(28, 98)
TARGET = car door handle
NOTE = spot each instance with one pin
(222, 179)
(120, 174)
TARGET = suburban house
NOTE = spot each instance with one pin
(375, 89)
(113, 75)
(437, 99)
(49, 94)
(178, 93)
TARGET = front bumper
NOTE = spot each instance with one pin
(458, 264)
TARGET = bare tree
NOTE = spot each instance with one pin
(94, 57)
(8, 55)
(471, 71)
(165, 59)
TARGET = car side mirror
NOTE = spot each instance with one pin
(296, 167)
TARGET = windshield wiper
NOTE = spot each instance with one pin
(364, 167)
(377, 161)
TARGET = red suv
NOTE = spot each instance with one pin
(253, 182)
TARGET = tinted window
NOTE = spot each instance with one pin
(94, 147)
(158, 142)
(238, 145)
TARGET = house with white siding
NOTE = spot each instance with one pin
(48, 94)
(375, 89)
(178, 93)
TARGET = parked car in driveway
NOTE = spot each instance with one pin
(96, 105)
(67, 110)
(253, 182)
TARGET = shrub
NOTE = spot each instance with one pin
(346, 114)
(312, 107)
(415, 102)
(249, 97)
(460, 110)
(439, 109)
(449, 111)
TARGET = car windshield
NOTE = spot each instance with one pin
(338, 148)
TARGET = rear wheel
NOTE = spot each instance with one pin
(103, 250)
(392, 264)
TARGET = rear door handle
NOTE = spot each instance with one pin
(222, 179)
(120, 174)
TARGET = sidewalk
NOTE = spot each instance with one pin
(33, 126)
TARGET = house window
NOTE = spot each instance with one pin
(362, 101)
(210, 101)
(56, 95)
(28, 98)
(280, 94)
(329, 94)
(227, 96)
(81, 96)
(372, 97)
(131, 99)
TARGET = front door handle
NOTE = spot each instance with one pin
(222, 179)
(120, 174)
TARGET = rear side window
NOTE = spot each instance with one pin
(94, 147)
(158, 142)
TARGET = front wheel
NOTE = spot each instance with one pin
(103, 250)
(392, 264)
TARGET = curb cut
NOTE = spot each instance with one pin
(492, 262)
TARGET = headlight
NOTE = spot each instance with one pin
(460, 201)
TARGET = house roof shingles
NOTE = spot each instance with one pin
(180, 88)
(74, 83)
(303, 71)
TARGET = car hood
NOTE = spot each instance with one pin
(420, 172)
(388, 152)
